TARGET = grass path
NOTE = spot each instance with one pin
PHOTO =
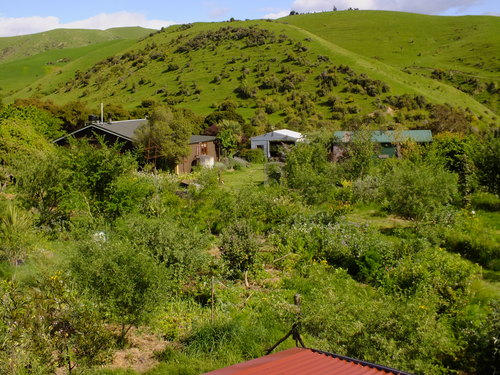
(238, 179)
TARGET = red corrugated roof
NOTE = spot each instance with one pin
(301, 361)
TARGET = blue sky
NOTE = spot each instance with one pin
(34, 16)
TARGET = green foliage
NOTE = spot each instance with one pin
(456, 151)
(469, 239)
(344, 317)
(227, 137)
(81, 177)
(485, 201)
(434, 272)
(308, 170)
(360, 155)
(42, 121)
(486, 153)
(255, 155)
(359, 250)
(239, 248)
(49, 326)
(166, 135)
(18, 139)
(180, 250)
(417, 190)
(125, 283)
(16, 234)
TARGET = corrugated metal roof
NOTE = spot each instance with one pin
(391, 136)
(126, 130)
(301, 361)
(279, 135)
(201, 138)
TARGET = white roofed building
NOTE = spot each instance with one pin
(270, 142)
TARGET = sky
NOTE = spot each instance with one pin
(32, 16)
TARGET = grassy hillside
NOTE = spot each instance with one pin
(57, 65)
(466, 48)
(18, 47)
(301, 72)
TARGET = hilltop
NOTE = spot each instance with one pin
(19, 47)
(305, 71)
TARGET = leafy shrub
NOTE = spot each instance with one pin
(342, 316)
(274, 172)
(360, 250)
(486, 153)
(434, 271)
(179, 249)
(417, 190)
(239, 248)
(48, 326)
(255, 155)
(124, 283)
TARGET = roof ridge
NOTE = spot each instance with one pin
(361, 362)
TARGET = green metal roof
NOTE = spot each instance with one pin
(390, 136)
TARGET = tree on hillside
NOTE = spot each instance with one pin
(165, 136)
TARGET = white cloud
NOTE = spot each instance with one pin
(30, 25)
(417, 6)
(277, 14)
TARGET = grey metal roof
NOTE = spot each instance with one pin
(391, 136)
(126, 130)
(200, 138)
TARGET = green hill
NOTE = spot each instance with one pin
(17, 47)
(461, 51)
(303, 71)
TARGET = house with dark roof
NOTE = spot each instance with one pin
(202, 147)
(304, 361)
(389, 140)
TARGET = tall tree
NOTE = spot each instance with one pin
(165, 136)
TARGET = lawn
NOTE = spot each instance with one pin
(238, 179)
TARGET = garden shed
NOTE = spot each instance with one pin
(388, 139)
(270, 142)
(304, 361)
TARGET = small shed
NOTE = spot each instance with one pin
(270, 142)
(389, 139)
(303, 361)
